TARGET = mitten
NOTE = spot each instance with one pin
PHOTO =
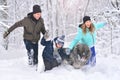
(5, 34)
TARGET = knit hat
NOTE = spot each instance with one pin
(36, 9)
(86, 18)
(60, 40)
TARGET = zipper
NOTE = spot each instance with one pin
(93, 39)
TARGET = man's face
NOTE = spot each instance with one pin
(37, 15)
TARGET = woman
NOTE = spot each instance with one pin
(87, 35)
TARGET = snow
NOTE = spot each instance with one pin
(6, 26)
(61, 17)
(2, 9)
(13, 66)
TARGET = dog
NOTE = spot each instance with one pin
(79, 56)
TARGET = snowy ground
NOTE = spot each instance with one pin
(13, 66)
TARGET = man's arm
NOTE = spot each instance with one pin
(43, 30)
(17, 24)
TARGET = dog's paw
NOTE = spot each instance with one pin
(77, 65)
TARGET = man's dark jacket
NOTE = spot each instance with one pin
(32, 29)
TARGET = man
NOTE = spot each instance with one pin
(33, 25)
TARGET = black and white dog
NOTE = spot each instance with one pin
(79, 56)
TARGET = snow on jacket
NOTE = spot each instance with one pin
(88, 38)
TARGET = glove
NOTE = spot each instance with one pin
(5, 34)
(68, 51)
(47, 35)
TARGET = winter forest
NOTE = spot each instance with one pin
(61, 17)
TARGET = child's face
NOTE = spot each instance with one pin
(58, 45)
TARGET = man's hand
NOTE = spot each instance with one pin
(5, 34)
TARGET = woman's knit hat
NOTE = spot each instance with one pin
(86, 18)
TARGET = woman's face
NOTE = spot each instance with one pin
(88, 23)
(37, 16)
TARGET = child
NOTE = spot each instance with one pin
(53, 52)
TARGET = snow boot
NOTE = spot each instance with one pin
(30, 57)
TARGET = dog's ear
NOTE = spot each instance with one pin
(88, 53)
(78, 45)
(75, 50)
(79, 48)
(74, 54)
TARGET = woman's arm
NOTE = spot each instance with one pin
(76, 39)
(99, 25)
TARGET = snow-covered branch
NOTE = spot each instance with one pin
(2, 8)
(4, 25)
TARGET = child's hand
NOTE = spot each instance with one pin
(68, 51)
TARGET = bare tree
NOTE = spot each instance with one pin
(116, 4)
(3, 22)
(85, 11)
